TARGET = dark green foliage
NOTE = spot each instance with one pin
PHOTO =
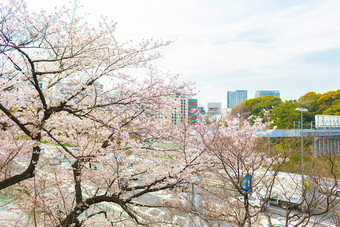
(257, 105)
(284, 115)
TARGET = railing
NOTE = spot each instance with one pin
(311, 125)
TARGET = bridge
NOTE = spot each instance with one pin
(325, 141)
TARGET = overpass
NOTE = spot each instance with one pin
(325, 141)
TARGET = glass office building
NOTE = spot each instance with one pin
(262, 93)
(234, 98)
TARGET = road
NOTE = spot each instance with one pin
(8, 214)
(152, 198)
(276, 212)
(321, 220)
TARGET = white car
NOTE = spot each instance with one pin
(253, 201)
(335, 189)
(327, 187)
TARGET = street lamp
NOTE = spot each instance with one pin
(301, 111)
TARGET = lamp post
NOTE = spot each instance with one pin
(301, 111)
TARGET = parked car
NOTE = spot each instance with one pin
(124, 183)
(335, 189)
(253, 201)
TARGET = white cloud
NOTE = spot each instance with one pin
(267, 41)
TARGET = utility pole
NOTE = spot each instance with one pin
(303, 178)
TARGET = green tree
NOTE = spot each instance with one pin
(284, 115)
(333, 110)
(256, 106)
(241, 110)
(309, 101)
(329, 103)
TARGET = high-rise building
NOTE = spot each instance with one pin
(192, 110)
(234, 98)
(262, 93)
(186, 109)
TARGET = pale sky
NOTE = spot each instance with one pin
(224, 45)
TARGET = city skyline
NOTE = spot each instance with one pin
(290, 46)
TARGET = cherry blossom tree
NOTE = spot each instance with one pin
(242, 174)
(69, 146)
(233, 151)
(75, 152)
